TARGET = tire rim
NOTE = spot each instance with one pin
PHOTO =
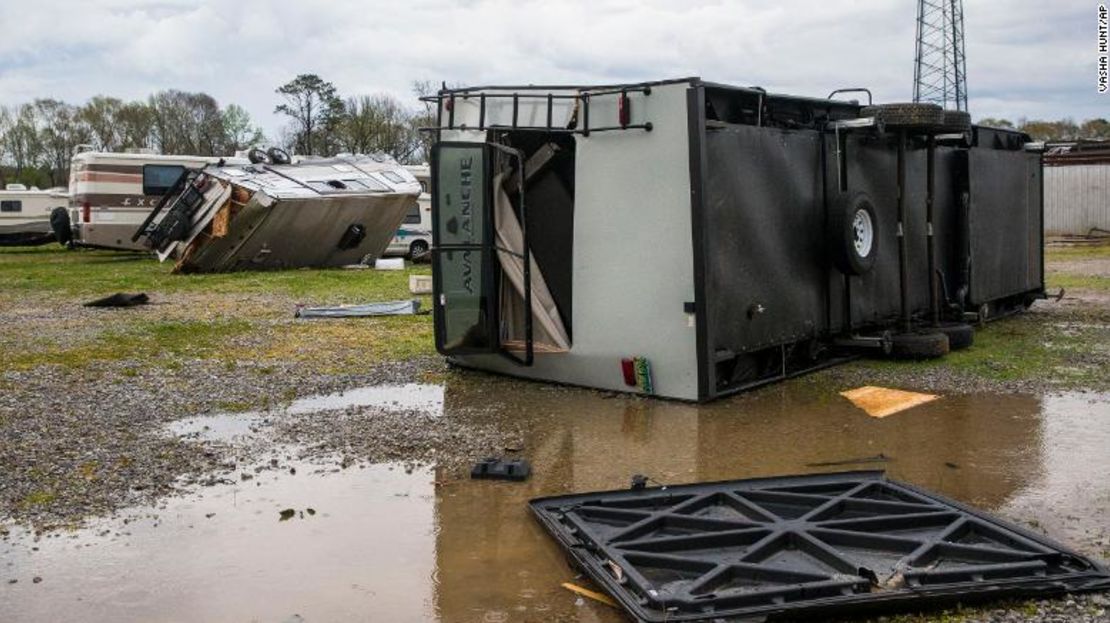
(863, 233)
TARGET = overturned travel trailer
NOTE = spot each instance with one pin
(691, 239)
(26, 214)
(274, 214)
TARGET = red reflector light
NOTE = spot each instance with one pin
(628, 369)
(624, 110)
(86, 212)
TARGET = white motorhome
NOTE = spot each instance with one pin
(111, 194)
(414, 237)
(25, 214)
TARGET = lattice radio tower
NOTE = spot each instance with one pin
(940, 66)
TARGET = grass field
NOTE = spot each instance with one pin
(248, 317)
(232, 317)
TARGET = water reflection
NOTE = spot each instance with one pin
(394, 546)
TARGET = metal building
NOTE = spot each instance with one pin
(1077, 189)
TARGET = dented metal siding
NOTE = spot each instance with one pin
(1077, 198)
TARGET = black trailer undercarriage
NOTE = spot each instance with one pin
(957, 219)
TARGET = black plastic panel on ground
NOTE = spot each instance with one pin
(801, 544)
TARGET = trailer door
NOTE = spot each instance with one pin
(490, 293)
(462, 233)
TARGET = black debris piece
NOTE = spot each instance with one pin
(498, 469)
(120, 299)
(802, 546)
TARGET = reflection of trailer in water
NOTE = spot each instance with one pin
(692, 240)
(25, 214)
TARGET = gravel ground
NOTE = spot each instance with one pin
(81, 442)
(1086, 608)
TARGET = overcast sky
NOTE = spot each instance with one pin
(1026, 58)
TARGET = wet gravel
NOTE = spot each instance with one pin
(1084, 608)
(383, 436)
(75, 444)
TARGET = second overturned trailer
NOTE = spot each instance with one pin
(691, 239)
(273, 214)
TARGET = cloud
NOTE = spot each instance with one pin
(1026, 58)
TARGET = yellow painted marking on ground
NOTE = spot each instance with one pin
(594, 595)
(881, 401)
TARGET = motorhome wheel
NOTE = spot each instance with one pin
(853, 234)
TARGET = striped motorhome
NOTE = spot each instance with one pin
(112, 193)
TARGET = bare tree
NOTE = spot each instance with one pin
(22, 139)
(426, 118)
(187, 123)
(102, 117)
(60, 130)
(135, 121)
(378, 124)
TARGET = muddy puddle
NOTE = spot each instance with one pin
(383, 543)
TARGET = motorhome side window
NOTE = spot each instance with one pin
(159, 178)
(412, 217)
(17, 206)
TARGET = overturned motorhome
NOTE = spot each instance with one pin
(691, 239)
(273, 214)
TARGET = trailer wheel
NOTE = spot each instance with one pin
(918, 346)
(59, 223)
(960, 335)
(853, 234)
(912, 116)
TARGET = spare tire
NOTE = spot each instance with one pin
(63, 229)
(853, 236)
(960, 335)
(912, 116)
(956, 121)
(917, 346)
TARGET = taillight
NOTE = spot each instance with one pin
(628, 369)
(86, 212)
(624, 110)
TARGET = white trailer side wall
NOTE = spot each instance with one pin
(1076, 199)
(633, 252)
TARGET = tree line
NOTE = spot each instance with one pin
(1063, 130)
(37, 139)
